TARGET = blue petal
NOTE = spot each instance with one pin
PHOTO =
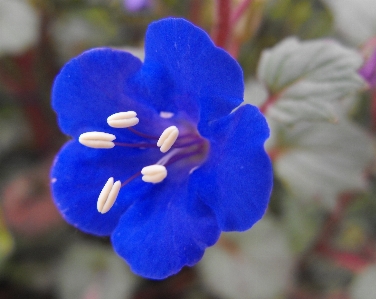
(79, 174)
(236, 180)
(166, 229)
(184, 71)
(95, 85)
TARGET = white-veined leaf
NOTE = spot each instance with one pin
(255, 264)
(364, 286)
(320, 160)
(354, 19)
(307, 77)
(93, 271)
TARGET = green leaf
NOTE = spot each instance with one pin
(354, 19)
(317, 161)
(364, 285)
(6, 242)
(252, 264)
(302, 223)
(80, 29)
(306, 77)
(90, 270)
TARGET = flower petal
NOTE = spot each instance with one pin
(79, 174)
(236, 180)
(94, 86)
(185, 71)
(165, 230)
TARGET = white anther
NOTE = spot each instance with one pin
(165, 114)
(123, 119)
(168, 138)
(108, 195)
(97, 139)
(154, 173)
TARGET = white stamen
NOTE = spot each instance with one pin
(154, 173)
(164, 135)
(165, 114)
(168, 138)
(108, 195)
(97, 139)
(123, 119)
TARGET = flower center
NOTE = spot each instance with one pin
(189, 150)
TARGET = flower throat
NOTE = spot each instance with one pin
(190, 147)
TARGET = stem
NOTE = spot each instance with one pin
(355, 262)
(194, 11)
(322, 246)
(275, 153)
(334, 218)
(348, 260)
(270, 101)
(222, 28)
(231, 247)
(40, 128)
(369, 46)
(240, 10)
(234, 47)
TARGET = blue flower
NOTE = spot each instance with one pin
(219, 177)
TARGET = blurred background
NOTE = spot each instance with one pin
(318, 238)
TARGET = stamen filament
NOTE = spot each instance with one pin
(197, 141)
(131, 178)
(167, 159)
(162, 161)
(135, 144)
(178, 158)
(187, 136)
(142, 134)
